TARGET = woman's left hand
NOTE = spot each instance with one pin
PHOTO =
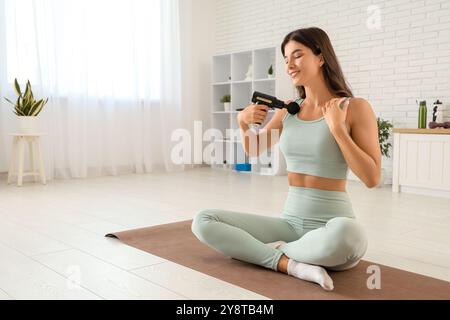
(335, 115)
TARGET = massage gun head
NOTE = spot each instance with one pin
(293, 108)
(272, 102)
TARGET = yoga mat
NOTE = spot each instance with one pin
(175, 242)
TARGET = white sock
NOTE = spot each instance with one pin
(310, 273)
(276, 244)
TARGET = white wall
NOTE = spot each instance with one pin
(197, 49)
(406, 59)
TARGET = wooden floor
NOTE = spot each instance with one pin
(52, 243)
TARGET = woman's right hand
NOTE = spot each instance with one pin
(254, 113)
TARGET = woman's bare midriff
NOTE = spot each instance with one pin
(307, 181)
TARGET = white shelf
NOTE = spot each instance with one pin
(240, 63)
(230, 77)
(264, 80)
(263, 59)
(242, 81)
(222, 68)
(241, 94)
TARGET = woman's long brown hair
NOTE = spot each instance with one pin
(318, 41)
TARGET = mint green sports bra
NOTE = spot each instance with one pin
(310, 148)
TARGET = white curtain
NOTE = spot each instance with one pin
(112, 71)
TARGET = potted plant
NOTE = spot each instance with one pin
(384, 133)
(27, 108)
(226, 99)
(270, 72)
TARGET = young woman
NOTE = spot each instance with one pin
(332, 131)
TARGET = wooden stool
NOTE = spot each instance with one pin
(18, 155)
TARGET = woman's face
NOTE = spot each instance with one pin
(302, 65)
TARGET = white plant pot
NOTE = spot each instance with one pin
(227, 106)
(270, 76)
(27, 125)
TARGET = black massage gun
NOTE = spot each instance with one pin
(272, 102)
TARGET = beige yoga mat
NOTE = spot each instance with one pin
(175, 242)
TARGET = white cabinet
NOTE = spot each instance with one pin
(422, 161)
(230, 74)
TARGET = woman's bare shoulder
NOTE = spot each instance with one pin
(359, 109)
(277, 120)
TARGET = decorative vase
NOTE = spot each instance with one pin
(27, 125)
(226, 106)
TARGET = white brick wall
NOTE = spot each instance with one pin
(408, 58)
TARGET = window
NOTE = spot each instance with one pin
(103, 48)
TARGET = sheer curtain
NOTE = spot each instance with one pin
(112, 71)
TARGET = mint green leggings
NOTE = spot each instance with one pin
(318, 226)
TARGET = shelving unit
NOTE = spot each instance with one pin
(230, 77)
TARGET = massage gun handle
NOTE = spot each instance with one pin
(252, 125)
(257, 124)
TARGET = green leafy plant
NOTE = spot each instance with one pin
(270, 71)
(225, 98)
(384, 132)
(26, 105)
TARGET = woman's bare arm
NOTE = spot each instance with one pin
(255, 144)
(361, 150)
